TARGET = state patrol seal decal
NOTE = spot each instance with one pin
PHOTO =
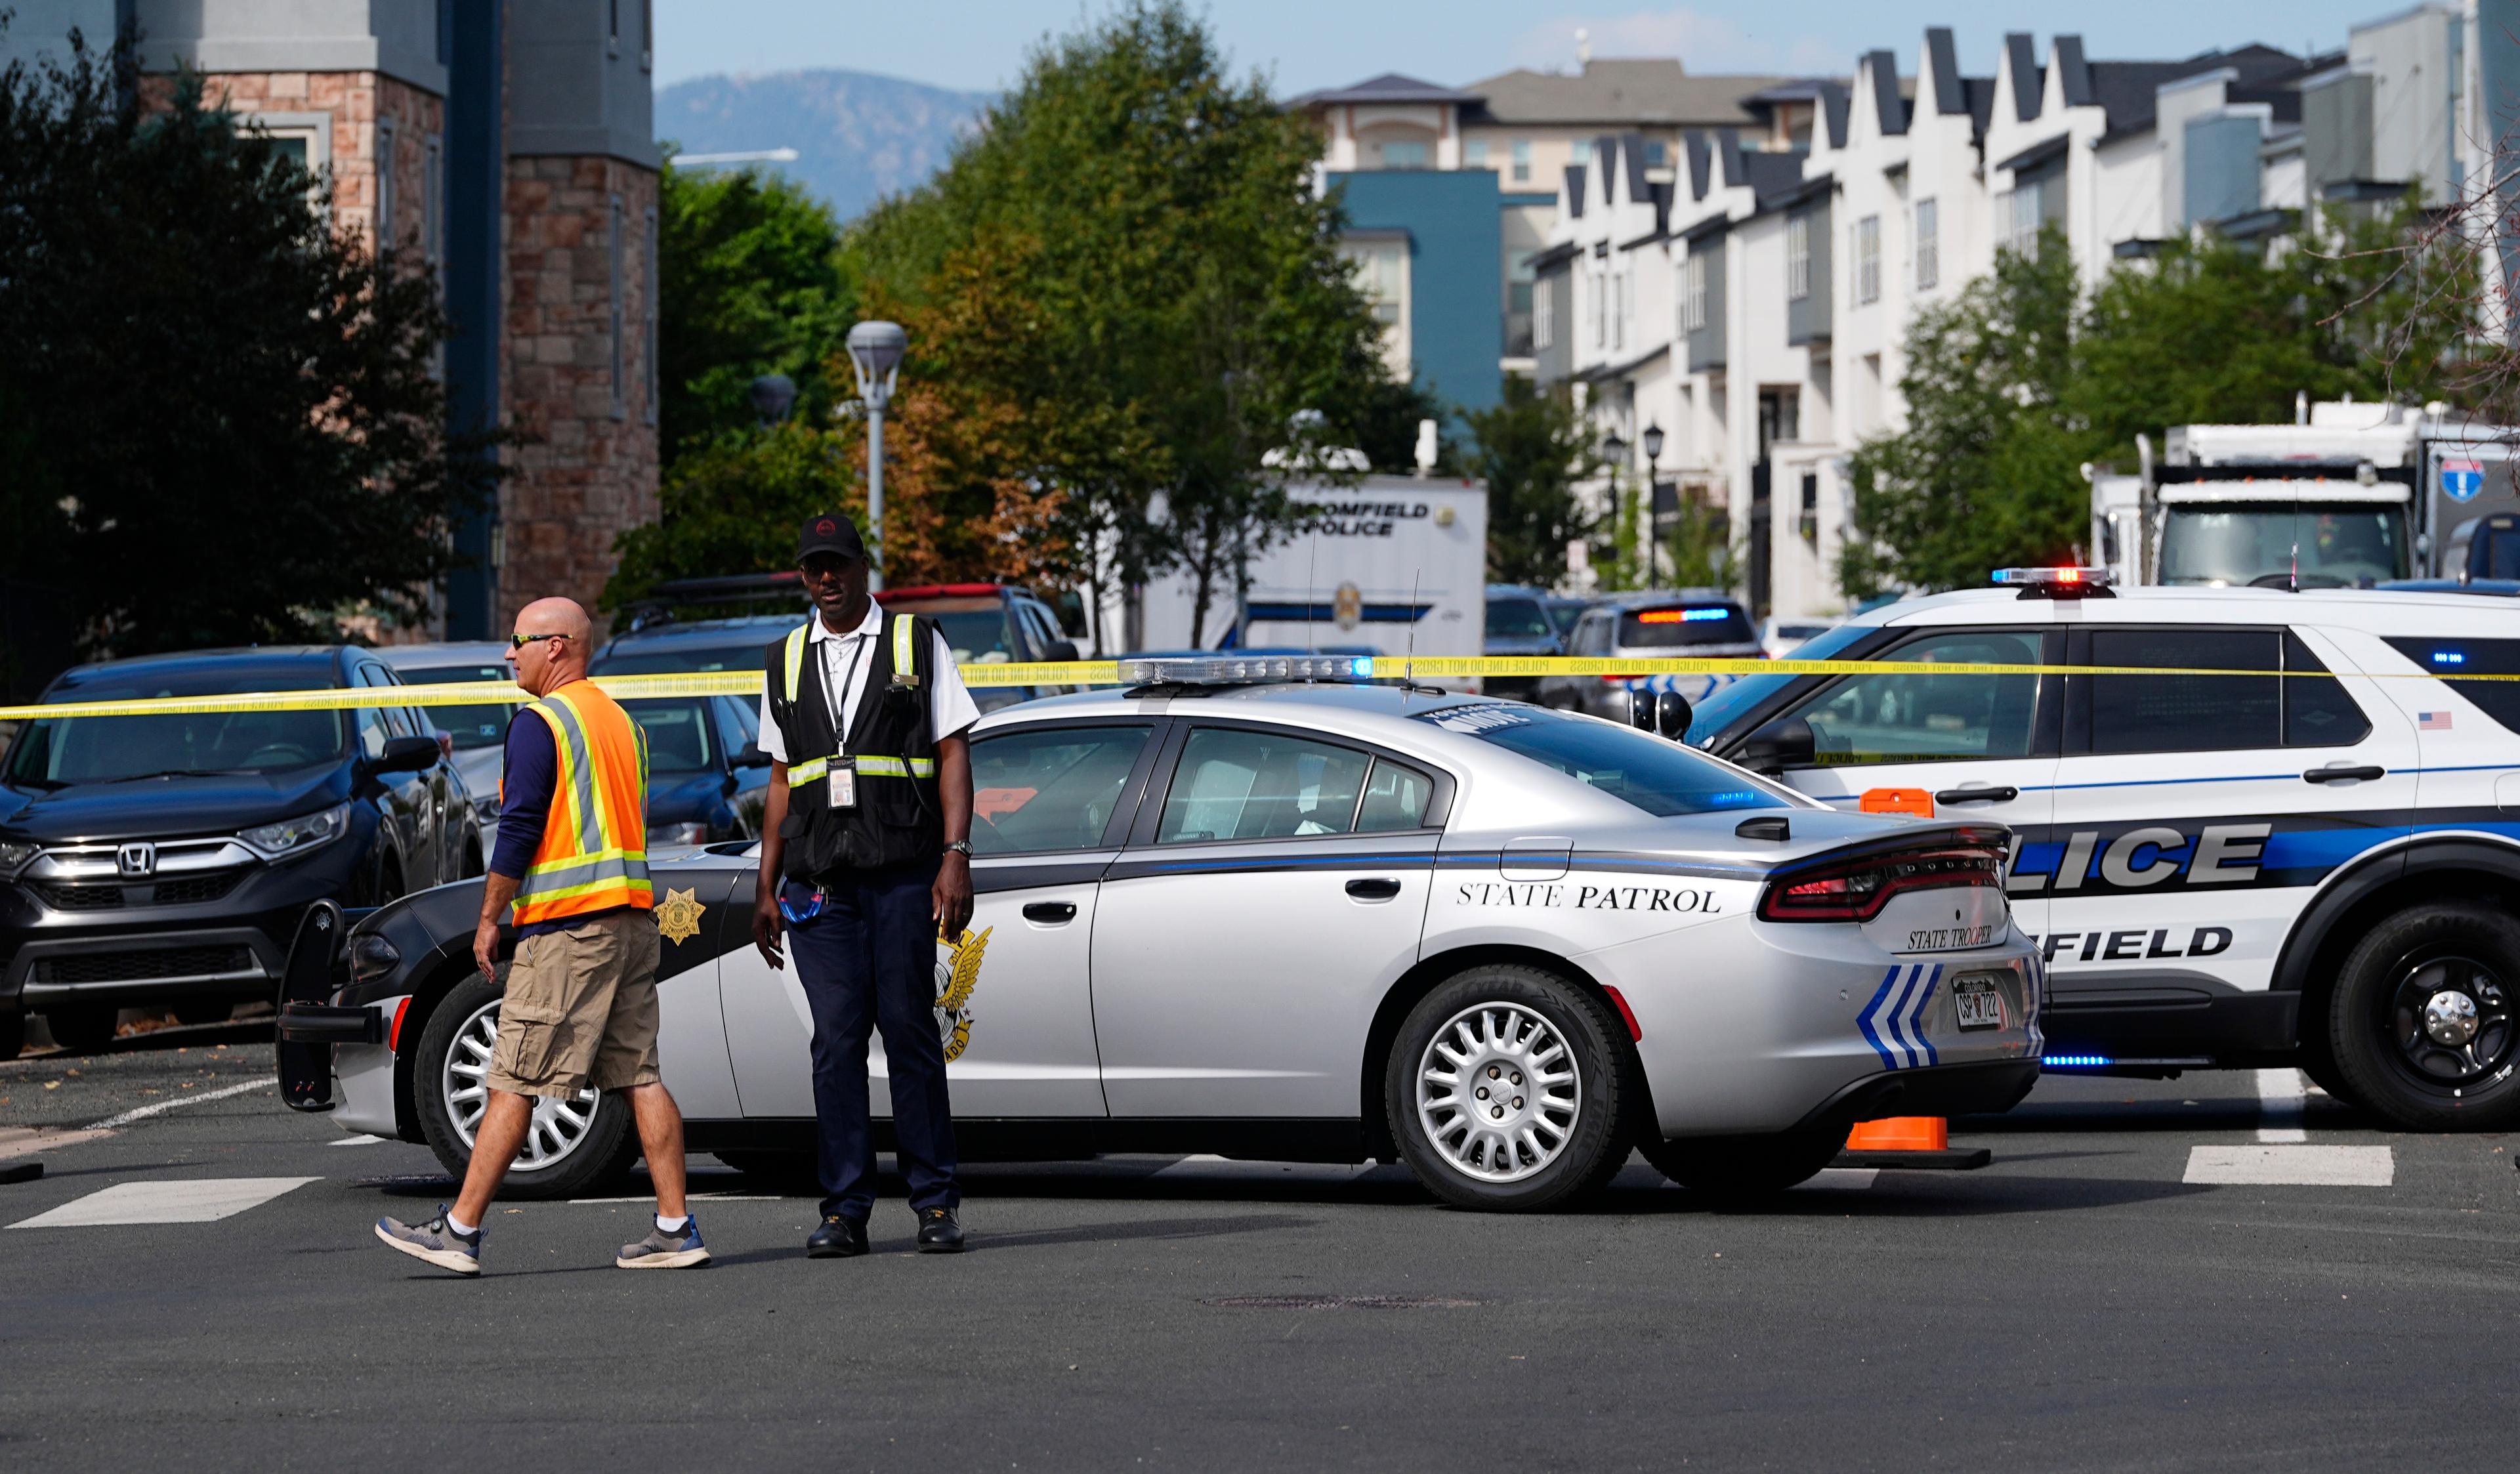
(678, 915)
(957, 972)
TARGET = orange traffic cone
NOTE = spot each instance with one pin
(1908, 1142)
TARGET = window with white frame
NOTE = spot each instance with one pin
(1797, 257)
(1522, 160)
(1544, 316)
(1694, 306)
(1381, 270)
(1867, 259)
(1582, 150)
(1622, 303)
(1929, 260)
(1474, 154)
(2027, 199)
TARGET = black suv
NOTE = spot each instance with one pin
(166, 860)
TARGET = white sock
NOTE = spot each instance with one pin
(666, 1225)
(459, 1225)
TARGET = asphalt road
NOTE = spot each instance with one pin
(2081, 1304)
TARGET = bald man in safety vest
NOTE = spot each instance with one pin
(580, 1007)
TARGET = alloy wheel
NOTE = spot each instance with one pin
(1498, 1092)
(2452, 1019)
(557, 1127)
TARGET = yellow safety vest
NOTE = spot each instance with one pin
(594, 851)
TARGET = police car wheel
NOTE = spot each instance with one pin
(2425, 1021)
(1732, 1169)
(1504, 1091)
(571, 1145)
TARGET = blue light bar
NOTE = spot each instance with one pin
(1243, 670)
(2449, 657)
(2076, 1062)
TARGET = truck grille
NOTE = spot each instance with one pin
(140, 966)
(192, 890)
(187, 890)
(61, 897)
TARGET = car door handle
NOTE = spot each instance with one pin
(2342, 775)
(2003, 795)
(1051, 913)
(1378, 889)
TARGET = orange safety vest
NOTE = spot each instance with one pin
(594, 851)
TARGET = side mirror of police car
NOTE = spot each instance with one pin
(1672, 714)
(1783, 744)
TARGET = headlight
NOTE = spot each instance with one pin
(486, 811)
(13, 855)
(677, 833)
(372, 957)
(292, 836)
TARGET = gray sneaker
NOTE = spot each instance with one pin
(436, 1241)
(681, 1249)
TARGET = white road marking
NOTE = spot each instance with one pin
(197, 1200)
(363, 1139)
(26, 1141)
(703, 1197)
(180, 1102)
(2280, 1097)
(2268, 1166)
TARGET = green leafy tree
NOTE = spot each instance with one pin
(750, 286)
(1985, 475)
(1532, 449)
(732, 505)
(221, 419)
(1698, 549)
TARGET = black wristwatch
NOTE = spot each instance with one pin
(961, 847)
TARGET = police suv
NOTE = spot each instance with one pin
(1227, 911)
(2291, 836)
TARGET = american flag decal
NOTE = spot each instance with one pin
(2432, 721)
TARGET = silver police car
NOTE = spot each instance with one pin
(1238, 908)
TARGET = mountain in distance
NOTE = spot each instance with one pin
(858, 137)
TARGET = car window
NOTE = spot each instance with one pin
(1396, 796)
(1655, 775)
(679, 738)
(2148, 713)
(2317, 713)
(737, 723)
(2455, 657)
(1517, 618)
(1236, 784)
(1049, 788)
(1920, 717)
(472, 726)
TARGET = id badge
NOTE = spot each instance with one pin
(843, 780)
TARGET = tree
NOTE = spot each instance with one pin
(1181, 296)
(222, 418)
(750, 285)
(1985, 472)
(1532, 448)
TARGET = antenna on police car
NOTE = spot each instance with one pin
(1408, 662)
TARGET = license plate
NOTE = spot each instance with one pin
(1976, 1005)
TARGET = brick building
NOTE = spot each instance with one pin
(509, 143)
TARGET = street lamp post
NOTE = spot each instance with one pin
(1654, 468)
(1616, 451)
(876, 350)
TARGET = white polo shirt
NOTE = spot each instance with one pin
(848, 659)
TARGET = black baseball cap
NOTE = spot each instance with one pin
(829, 533)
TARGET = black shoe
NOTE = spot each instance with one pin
(838, 1238)
(938, 1233)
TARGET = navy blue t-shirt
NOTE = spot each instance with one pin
(529, 776)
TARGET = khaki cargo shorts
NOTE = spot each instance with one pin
(581, 1009)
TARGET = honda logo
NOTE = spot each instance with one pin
(137, 860)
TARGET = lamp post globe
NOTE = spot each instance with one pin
(875, 351)
(1653, 444)
(773, 397)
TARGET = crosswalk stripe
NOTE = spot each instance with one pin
(193, 1200)
(2281, 1095)
(2284, 1165)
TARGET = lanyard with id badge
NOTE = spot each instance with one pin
(842, 778)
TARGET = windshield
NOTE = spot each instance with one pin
(1659, 776)
(2341, 546)
(1564, 612)
(1511, 618)
(679, 737)
(686, 658)
(976, 628)
(1728, 704)
(55, 754)
(483, 725)
(1682, 625)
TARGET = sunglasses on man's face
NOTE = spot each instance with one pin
(519, 642)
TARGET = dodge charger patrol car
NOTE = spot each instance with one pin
(2298, 843)
(1315, 921)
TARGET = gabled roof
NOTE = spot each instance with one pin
(2074, 73)
(2125, 90)
(1620, 91)
(2022, 59)
(1980, 92)
(1835, 103)
(1774, 178)
(1890, 109)
(1943, 58)
(1575, 174)
(1390, 87)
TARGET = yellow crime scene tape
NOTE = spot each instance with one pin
(1107, 673)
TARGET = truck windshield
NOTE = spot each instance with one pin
(2340, 545)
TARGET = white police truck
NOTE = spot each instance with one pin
(2291, 836)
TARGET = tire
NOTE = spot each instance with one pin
(2401, 1063)
(1742, 1169)
(13, 1034)
(82, 1028)
(1496, 1018)
(560, 1157)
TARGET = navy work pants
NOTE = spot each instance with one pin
(869, 959)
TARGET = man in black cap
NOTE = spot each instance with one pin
(865, 868)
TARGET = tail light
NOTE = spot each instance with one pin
(1856, 889)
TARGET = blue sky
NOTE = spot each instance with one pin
(979, 44)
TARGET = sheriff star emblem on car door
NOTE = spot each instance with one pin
(678, 915)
